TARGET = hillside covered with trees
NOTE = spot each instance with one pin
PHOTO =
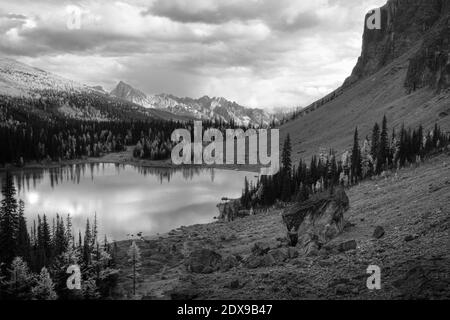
(371, 156)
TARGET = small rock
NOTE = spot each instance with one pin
(341, 289)
(292, 253)
(300, 263)
(349, 225)
(253, 262)
(324, 263)
(347, 246)
(234, 284)
(312, 249)
(355, 291)
(186, 294)
(280, 255)
(229, 263)
(410, 237)
(379, 232)
(323, 252)
(260, 248)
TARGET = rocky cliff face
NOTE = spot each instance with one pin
(420, 26)
(430, 66)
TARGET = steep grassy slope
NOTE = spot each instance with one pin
(403, 72)
(333, 124)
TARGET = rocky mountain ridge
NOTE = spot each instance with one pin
(202, 108)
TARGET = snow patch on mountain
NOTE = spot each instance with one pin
(19, 79)
(205, 107)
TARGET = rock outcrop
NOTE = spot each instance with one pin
(204, 261)
(317, 221)
(421, 26)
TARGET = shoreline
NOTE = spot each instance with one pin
(125, 158)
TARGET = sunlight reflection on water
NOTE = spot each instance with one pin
(128, 199)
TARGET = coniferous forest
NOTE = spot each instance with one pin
(368, 157)
(30, 130)
(32, 136)
(35, 256)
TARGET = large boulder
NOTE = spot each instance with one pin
(229, 262)
(253, 262)
(204, 261)
(280, 255)
(318, 220)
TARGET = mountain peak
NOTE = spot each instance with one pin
(127, 92)
(202, 108)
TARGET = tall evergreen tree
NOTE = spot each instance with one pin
(383, 149)
(286, 170)
(87, 246)
(44, 289)
(94, 231)
(375, 142)
(20, 281)
(356, 164)
(9, 219)
(134, 255)
(44, 240)
(286, 155)
(23, 238)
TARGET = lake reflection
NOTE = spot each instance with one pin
(128, 199)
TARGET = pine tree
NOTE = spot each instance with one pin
(8, 221)
(44, 289)
(23, 238)
(366, 159)
(44, 242)
(87, 244)
(69, 235)
(94, 231)
(286, 173)
(383, 148)
(60, 240)
(80, 242)
(286, 155)
(134, 255)
(356, 165)
(20, 280)
(375, 142)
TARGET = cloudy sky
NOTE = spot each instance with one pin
(259, 53)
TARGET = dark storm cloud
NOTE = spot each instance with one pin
(38, 41)
(218, 12)
(14, 16)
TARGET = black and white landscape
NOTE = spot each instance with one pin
(93, 208)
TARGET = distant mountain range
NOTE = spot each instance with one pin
(202, 108)
(20, 80)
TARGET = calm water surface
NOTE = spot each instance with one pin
(127, 199)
